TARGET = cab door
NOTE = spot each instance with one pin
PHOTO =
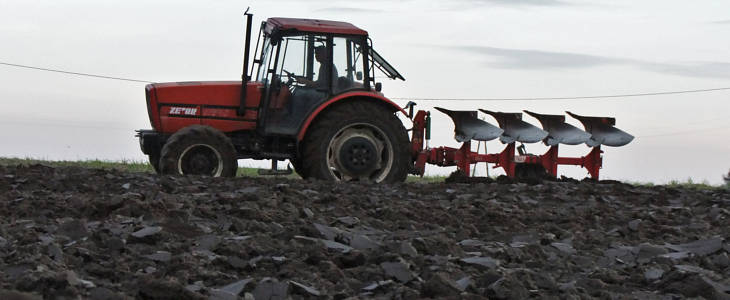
(292, 96)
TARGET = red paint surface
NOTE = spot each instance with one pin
(355, 94)
(217, 103)
(323, 26)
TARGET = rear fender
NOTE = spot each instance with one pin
(349, 96)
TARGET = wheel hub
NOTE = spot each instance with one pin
(200, 159)
(355, 154)
(358, 156)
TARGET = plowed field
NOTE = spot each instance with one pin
(68, 233)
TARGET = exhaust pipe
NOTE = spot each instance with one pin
(246, 53)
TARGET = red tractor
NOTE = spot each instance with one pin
(315, 102)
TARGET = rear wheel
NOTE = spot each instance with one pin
(199, 150)
(357, 141)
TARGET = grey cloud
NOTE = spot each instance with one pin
(519, 59)
(524, 2)
(722, 22)
(536, 59)
(349, 10)
(701, 69)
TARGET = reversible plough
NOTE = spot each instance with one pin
(513, 159)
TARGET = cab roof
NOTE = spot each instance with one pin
(312, 25)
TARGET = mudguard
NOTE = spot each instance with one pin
(344, 96)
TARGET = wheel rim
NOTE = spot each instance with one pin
(200, 159)
(360, 152)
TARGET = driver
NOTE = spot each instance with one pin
(320, 54)
(314, 91)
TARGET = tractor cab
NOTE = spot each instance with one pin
(304, 63)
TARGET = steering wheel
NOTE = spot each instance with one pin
(291, 77)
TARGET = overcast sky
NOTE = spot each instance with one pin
(444, 49)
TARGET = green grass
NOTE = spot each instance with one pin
(125, 165)
(122, 165)
(687, 184)
(425, 179)
(144, 166)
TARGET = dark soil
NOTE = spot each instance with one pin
(69, 233)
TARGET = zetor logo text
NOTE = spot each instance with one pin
(189, 111)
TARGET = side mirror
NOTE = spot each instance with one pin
(378, 86)
(358, 75)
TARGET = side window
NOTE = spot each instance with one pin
(348, 60)
(293, 55)
(265, 59)
(298, 57)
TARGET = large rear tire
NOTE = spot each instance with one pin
(199, 150)
(357, 141)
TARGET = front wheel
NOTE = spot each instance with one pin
(199, 150)
(155, 161)
(357, 141)
(296, 162)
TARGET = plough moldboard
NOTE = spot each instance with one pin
(511, 130)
